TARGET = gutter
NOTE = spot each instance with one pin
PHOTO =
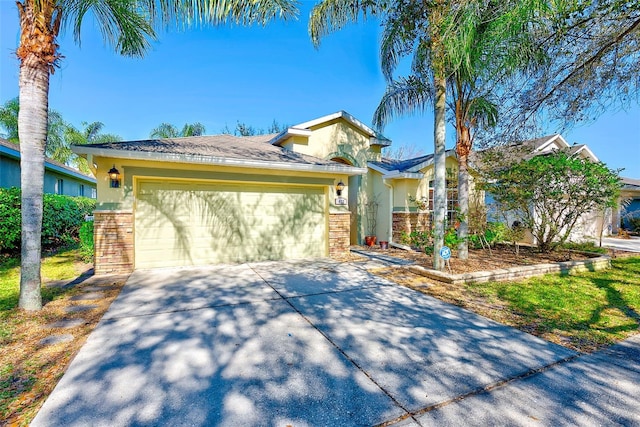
(218, 161)
(292, 131)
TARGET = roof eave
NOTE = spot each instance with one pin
(403, 175)
(380, 169)
(15, 153)
(286, 134)
(219, 161)
(429, 162)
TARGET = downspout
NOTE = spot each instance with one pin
(385, 181)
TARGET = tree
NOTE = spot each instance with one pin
(128, 26)
(412, 28)
(57, 146)
(243, 129)
(402, 152)
(90, 133)
(167, 130)
(590, 65)
(548, 193)
(9, 120)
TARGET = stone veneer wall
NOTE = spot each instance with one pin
(339, 233)
(408, 222)
(113, 240)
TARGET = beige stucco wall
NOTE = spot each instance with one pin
(417, 188)
(381, 194)
(336, 138)
(340, 139)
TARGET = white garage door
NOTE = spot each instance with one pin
(197, 223)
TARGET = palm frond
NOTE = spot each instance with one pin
(405, 95)
(329, 16)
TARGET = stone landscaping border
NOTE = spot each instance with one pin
(567, 267)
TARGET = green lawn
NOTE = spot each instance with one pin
(585, 311)
(59, 266)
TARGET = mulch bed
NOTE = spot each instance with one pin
(500, 257)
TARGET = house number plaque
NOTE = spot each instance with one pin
(341, 201)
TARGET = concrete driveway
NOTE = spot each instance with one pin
(306, 343)
(632, 244)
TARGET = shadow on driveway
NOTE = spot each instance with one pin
(305, 343)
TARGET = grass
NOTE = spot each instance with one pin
(584, 312)
(62, 265)
(30, 370)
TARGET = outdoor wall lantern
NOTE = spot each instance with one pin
(339, 188)
(114, 176)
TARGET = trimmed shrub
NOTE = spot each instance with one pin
(61, 221)
(86, 241)
(10, 219)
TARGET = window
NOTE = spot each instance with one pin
(81, 190)
(59, 186)
(452, 198)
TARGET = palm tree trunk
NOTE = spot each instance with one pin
(439, 181)
(463, 148)
(39, 27)
(463, 206)
(32, 125)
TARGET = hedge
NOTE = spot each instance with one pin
(61, 221)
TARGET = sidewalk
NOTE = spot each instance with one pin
(591, 390)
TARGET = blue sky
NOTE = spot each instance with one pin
(218, 76)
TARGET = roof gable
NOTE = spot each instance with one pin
(305, 129)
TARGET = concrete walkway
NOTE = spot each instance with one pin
(307, 343)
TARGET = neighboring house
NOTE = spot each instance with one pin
(58, 178)
(590, 224)
(630, 206)
(218, 199)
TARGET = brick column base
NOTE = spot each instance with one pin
(339, 233)
(113, 240)
(407, 222)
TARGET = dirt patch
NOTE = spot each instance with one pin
(34, 356)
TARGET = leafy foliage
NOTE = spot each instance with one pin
(243, 129)
(584, 247)
(548, 193)
(167, 130)
(61, 221)
(60, 135)
(86, 241)
(423, 240)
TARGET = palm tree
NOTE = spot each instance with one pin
(126, 25)
(9, 120)
(465, 48)
(90, 133)
(167, 130)
(413, 28)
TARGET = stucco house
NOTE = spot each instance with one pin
(310, 191)
(622, 215)
(58, 178)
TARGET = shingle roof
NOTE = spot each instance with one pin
(253, 148)
(630, 183)
(402, 165)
